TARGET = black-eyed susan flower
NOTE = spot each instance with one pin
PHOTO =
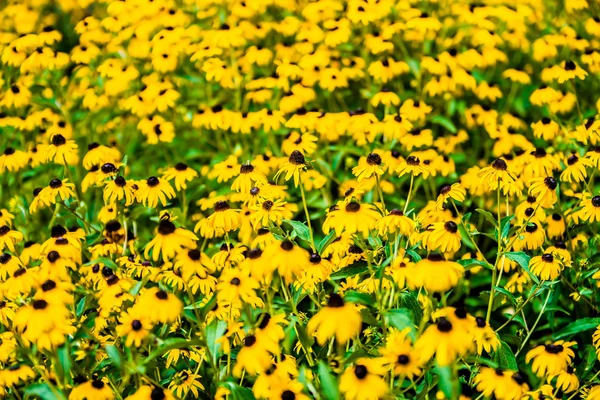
(337, 319)
(544, 191)
(181, 173)
(118, 189)
(496, 174)
(368, 167)
(352, 218)
(158, 306)
(444, 339)
(546, 266)
(236, 285)
(153, 190)
(501, 384)
(395, 223)
(364, 380)
(96, 389)
(436, 274)
(456, 192)
(9, 237)
(400, 355)
(255, 355)
(169, 240)
(442, 236)
(268, 212)
(550, 359)
(151, 393)
(13, 160)
(224, 218)
(576, 170)
(412, 165)
(293, 167)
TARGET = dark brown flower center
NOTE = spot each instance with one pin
(499, 165)
(166, 227)
(374, 159)
(136, 325)
(55, 183)
(451, 226)
(162, 295)
(413, 161)
(222, 205)
(352, 207)
(335, 301)
(297, 158)
(360, 371)
(58, 140)
(153, 181)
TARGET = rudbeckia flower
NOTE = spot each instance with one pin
(364, 380)
(9, 237)
(92, 390)
(169, 240)
(546, 267)
(436, 274)
(444, 339)
(368, 167)
(293, 167)
(13, 160)
(352, 218)
(337, 318)
(154, 189)
(181, 173)
(550, 359)
(158, 306)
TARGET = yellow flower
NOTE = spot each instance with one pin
(337, 319)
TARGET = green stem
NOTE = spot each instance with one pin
(412, 180)
(312, 239)
(535, 323)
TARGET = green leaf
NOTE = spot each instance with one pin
(409, 301)
(488, 215)
(414, 255)
(215, 330)
(79, 310)
(505, 292)
(352, 296)
(581, 325)
(445, 122)
(114, 355)
(465, 237)
(401, 318)
(473, 262)
(305, 340)
(64, 361)
(505, 226)
(301, 230)
(445, 381)
(327, 240)
(105, 261)
(329, 387)
(522, 259)
(505, 357)
(171, 344)
(347, 272)
(43, 391)
(242, 393)
(238, 392)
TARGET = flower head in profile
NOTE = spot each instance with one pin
(295, 164)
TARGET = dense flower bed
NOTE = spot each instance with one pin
(293, 199)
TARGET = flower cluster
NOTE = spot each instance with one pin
(291, 199)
